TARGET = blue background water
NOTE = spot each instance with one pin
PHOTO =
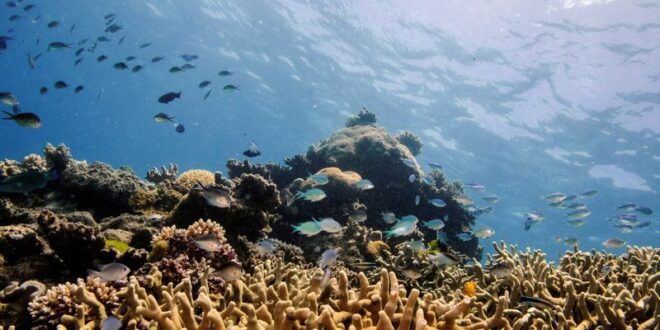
(526, 98)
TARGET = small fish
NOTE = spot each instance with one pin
(328, 257)
(417, 245)
(501, 269)
(475, 186)
(575, 222)
(61, 84)
(189, 58)
(435, 166)
(535, 302)
(358, 216)
(401, 229)
(224, 73)
(208, 243)
(92, 48)
(163, 118)
(590, 193)
(464, 200)
(113, 28)
(187, 66)
(570, 241)
(613, 243)
(417, 199)
(145, 45)
(3, 43)
(137, 68)
(312, 195)
(120, 66)
(32, 61)
(364, 184)
(43, 90)
(329, 225)
(570, 198)
(169, 97)
(102, 39)
(252, 151)
(230, 88)
(230, 271)
(576, 206)
(644, 210)
(443, 259)
(73, 27)
(411, 274)
(388, 217)
(206, 96)
(555, 197)
(129, 58)
(53, 24)
(435, 224)
(578, 214)
(364, 265)
(78, 61)
(28, 7)
(213, 196)
(83, 41)
(111, 323)
(437, 202)
(78, 89)
(409, 219)
(409, 162)
(175, 69)
(491, 199)
(111, 272)
(8, 98)
(157, 59)
(101, 58)
(628, 207)
(470, 289)
(11, 4)
(26, 182)
(442, 237)
(308, 228)
(204, 84)
(57, 45)
(318, 179)
(266, 246)
(532, 218)
(412, 178)
(179, 128)
(109, 16)
(484, 232)
(464, 237)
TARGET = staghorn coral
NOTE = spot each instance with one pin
(156, 175)
(364, 117)
(411, 141)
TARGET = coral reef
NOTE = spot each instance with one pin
(364, 117)
(411, 141)
(156, 175)
(188, 179)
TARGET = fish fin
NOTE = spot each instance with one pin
(11, 116)
(296, 229)
(93, 273)
(178, 94)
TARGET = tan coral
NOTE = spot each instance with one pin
(189, 179)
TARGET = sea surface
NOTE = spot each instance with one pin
(526, 98)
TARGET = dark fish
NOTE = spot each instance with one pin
(3, 43)
(101, 58)
(109, 16)
(78, 61)
(121, 40)
(137, 68)
(26, 182)
(60, 84)
(57, 45)
(156, 59)
(130, 58)
(11, 4)
(224, 73)
(230, 88)
(113, 28)
(163, 117)
(79, 89)
(175, 69)
(169, 97)
(187, 66)
(189, 58)
(24, 119)
(28, 7)
(253, 151)
(16, 109)
(145, 45)
(120, 66)
(83, 41)
(102, 39)
(43, 90)
(73, 27)
(536, 302)
(14, 18)
(204, 84)
(179, 128)
(206, 96)
(53, 24)
(80, 51)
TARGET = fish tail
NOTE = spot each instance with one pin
(300, 195)
(296, 229)
(11, 116)
(178, 95)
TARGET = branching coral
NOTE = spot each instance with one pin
(364, 117)
(411, 141)
(156, 175)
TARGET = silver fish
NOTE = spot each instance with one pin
(110, 272)
(230, 271)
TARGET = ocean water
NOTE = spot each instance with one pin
(525, 98)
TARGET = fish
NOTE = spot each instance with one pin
(120, 66)
(319, 179)
(137, 68)
(435, 224)
(401, 229)
(576, 206)
(73, 27)
(189, 58)
(121, 40)
(112, 28)
(329, 225)
(60, 84)
(157, 59)
(388, 217)
(204, 84)
(213, 196)
(409, 219)
(644, 210)
(613, 243)
(555, 197)
(409, 162)
(43, 90)
(435, 166)
(500, 269)
(78, 89)
(266, 246)
(110, 272)
(536, 302)
(437, 202)
(32, 61)
(589, 193)
(411, 274)
(532, 218)
(92, 48)
(163, 118)
(101, 58)
(179, 128)
(224, 73)
(28, 7)
(102, 39)
(475, 186)
(14, 18)
(412, 178)
(78, 61)
(145, 45)
(578, 214)
(441, 237)
(364, 265)
(416, 245)
(129, 58)
(328, 257)
(53, 24)
(484, 232)
(570, 241)
(357, 216)
(24, 119)
(575, 222)
(57, 45)
(169, 97)
(3, 43)
(628, 207)
(464, 237)
(252, 151)
(11, 4)
(443, 259)
(8, 98)
(417, 199)
(175, 69)
(470, 289)
(111, 323)
(26, 182)
(308, 228)
(230, 88)
(570, 198)
(208, 243)
(187, 66)
(109, 16)
(364, 184)
(206, 96)
(230, 271)
(491, 199)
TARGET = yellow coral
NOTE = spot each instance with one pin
(206, 228)
(346, 177)
(376, 247)
(189, 179)
(470, 289)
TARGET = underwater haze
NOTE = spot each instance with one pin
(524, 98)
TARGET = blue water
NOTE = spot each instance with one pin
(526, 98)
